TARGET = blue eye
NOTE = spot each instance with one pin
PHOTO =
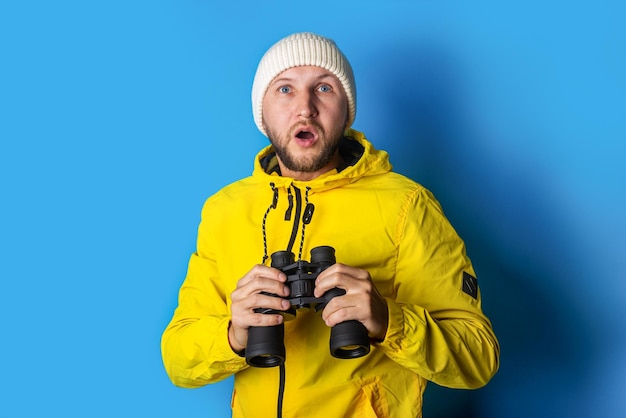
(325, 88)
(284, 89)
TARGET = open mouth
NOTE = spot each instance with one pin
(306, 135)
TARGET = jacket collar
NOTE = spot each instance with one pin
(361, 160)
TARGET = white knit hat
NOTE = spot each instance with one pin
(297, 50)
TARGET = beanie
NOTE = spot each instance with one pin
(296, 50)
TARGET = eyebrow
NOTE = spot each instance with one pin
(291, 79)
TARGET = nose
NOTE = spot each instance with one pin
(306, 107)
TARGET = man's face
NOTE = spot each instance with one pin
(305, 112)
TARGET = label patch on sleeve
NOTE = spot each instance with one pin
(470, 285)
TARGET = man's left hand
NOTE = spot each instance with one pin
(362, 301)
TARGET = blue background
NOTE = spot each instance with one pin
(118, 118)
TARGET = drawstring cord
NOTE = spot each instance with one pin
(306, 219)
(272, 206)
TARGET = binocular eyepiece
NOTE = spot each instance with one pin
(348, 339)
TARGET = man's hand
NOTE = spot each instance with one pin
(247, 296)
(362, 302)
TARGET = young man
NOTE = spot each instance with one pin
(402, 272)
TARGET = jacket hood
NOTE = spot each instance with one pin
(363, 160)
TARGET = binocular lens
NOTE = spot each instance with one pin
(265, 346)
(348, 340)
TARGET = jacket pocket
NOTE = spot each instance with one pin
(372, 402)
(234, 405)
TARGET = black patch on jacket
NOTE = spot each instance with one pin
(350, 151)
(470, 285)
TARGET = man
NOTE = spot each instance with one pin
(403, 268)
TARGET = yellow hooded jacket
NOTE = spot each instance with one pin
(376, 220)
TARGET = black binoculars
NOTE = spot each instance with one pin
(266, 346)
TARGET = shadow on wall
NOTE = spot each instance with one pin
(521, 249)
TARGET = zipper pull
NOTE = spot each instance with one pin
(308, 213)
(275, 197)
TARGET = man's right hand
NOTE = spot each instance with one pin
(247, 296)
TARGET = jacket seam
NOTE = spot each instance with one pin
(410, 200)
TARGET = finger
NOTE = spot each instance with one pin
(255, 303)
(267, 302)
(258, 310)
(335, 314)
(330, 278)
(260, 271)
(257, 282)
(259, 287)
(251, 319)
(341, 276)
(372, 312)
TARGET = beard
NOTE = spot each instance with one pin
(329, 146)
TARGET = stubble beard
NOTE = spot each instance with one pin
(308, 164)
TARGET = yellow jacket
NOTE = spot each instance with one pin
(376, 220)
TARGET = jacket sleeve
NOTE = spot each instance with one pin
(436, 328)
(195, 346)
